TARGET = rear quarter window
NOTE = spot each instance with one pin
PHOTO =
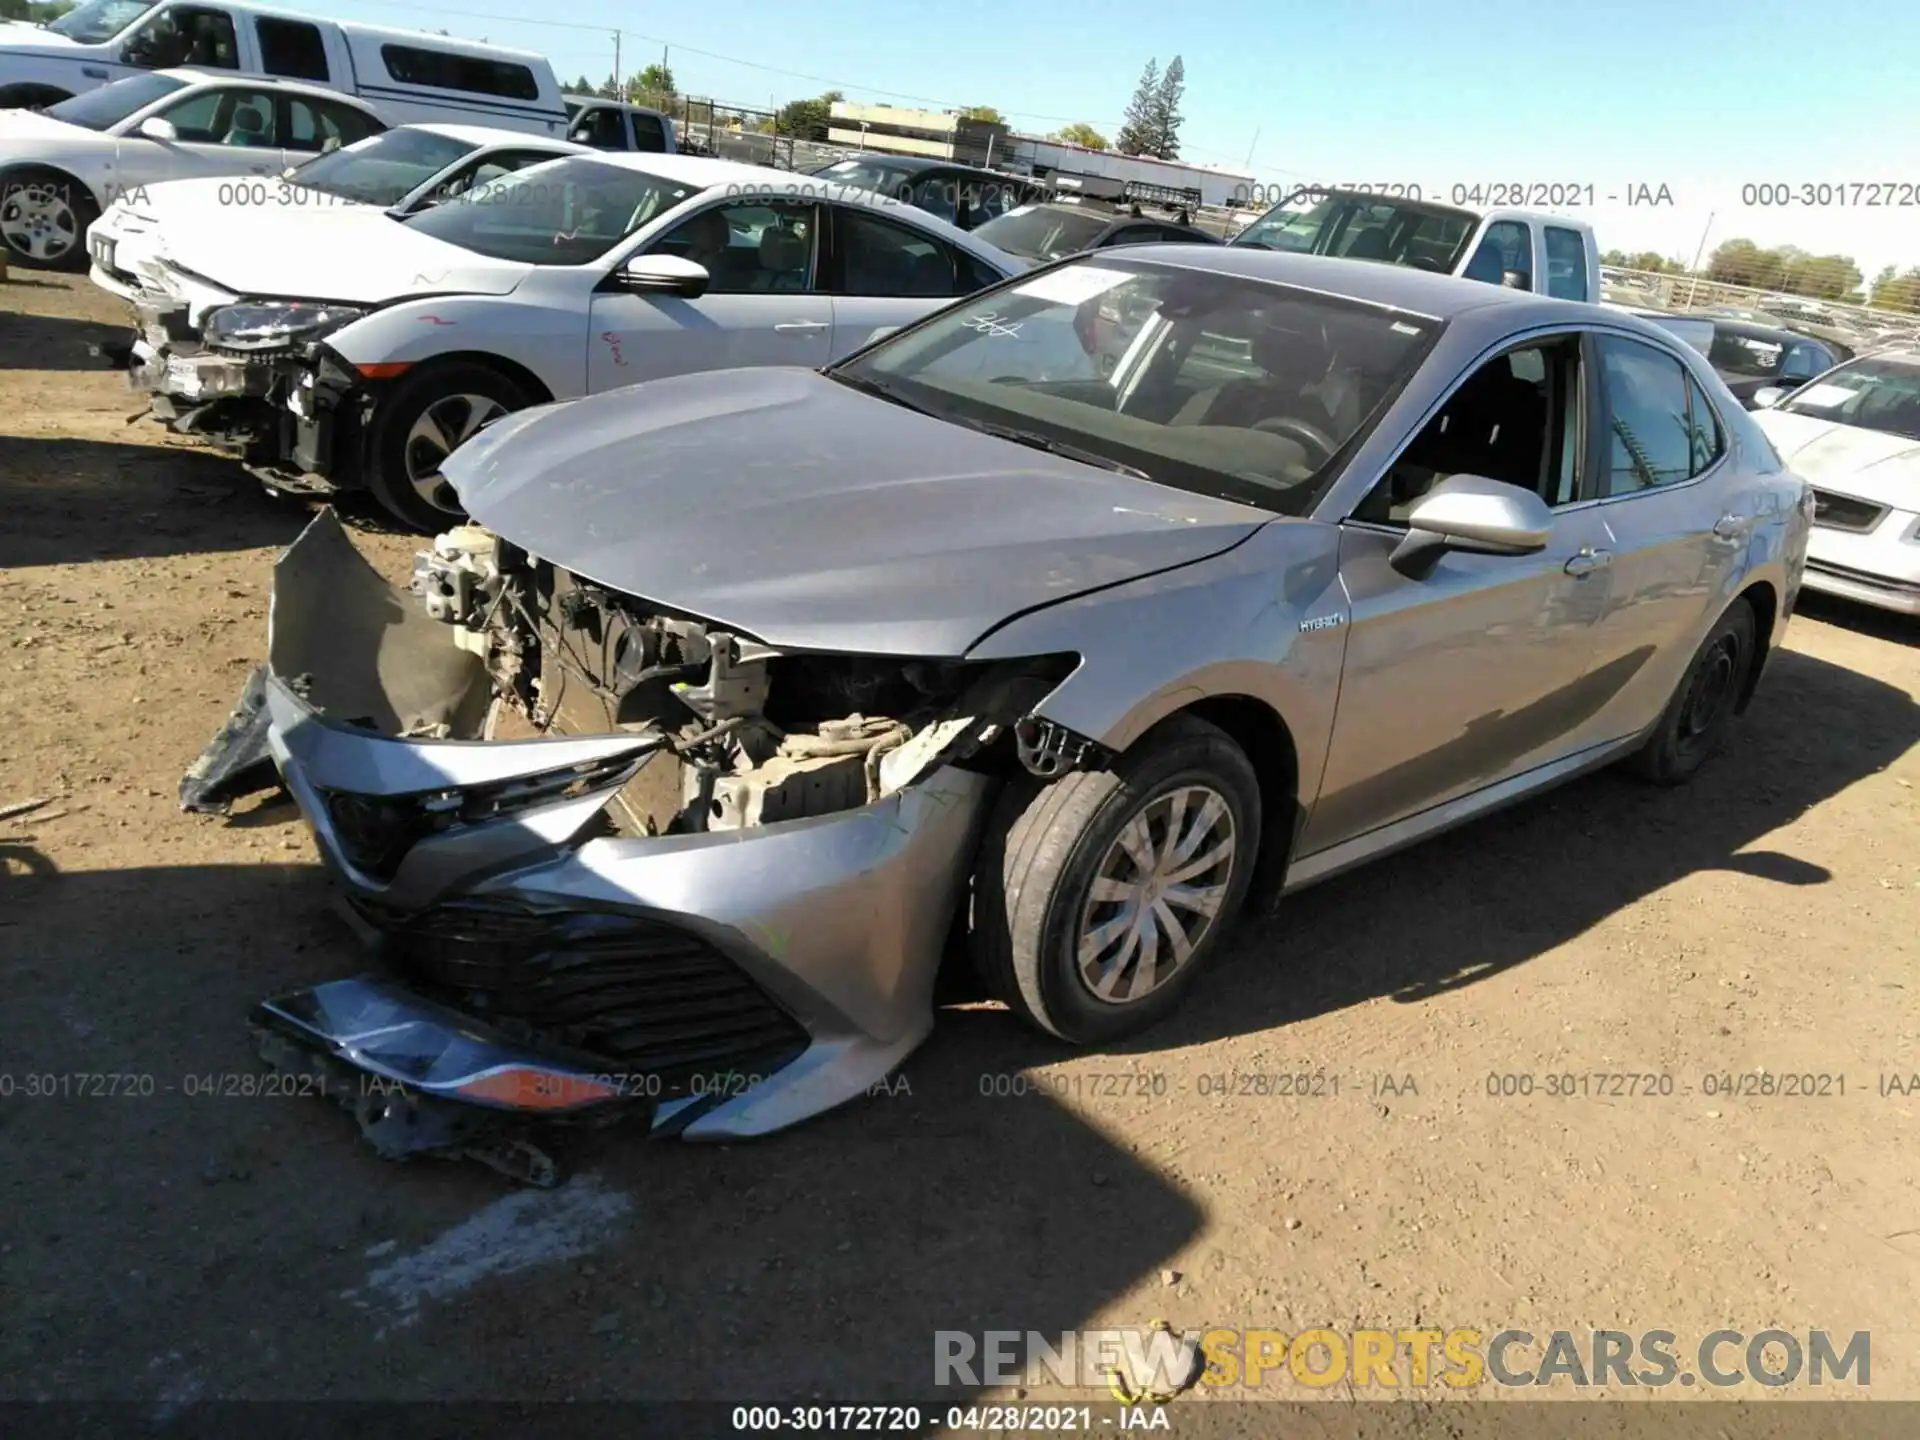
(439, 70)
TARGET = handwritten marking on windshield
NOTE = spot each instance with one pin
(991, 324)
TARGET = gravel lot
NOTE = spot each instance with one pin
(164, 1247)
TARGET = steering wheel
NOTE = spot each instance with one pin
(1433, 265)
(1311, 436)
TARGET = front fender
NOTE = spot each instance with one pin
(545, 340)
(1266, 620)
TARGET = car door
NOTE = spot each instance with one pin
(883, 272)
(218, 130)
(1476, 672)
(1679, 528)
(305, 125)
(1506, 245)
(762, 305)
(604, 127)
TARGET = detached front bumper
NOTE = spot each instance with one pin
(738, 981)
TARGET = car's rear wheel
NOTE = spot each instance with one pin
(420, 423)
(1696, 719)
(1099, 897)
(44, 217)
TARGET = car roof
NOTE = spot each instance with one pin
(1750, 329)
(492, 135)
(578, 99)
(1421, 292)
(192, 76)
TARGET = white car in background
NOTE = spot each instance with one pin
(384, 177)
(1854, 436)
(59, 168)
(326, 367)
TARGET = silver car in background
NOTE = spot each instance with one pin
(1854, 433)
(1063, 622)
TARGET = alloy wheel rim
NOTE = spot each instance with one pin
(443, 427)
(37, 222)
(1156, 894)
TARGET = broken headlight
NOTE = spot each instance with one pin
(274, 324)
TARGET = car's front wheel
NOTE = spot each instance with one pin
(44, 217)
(1098, 897)
(422, 421)
(1695, 721)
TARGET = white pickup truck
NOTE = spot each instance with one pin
(1524, 249)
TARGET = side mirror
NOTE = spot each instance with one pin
(1515, 280)
(1768, 396)
(1475, 515)
(154, 128)
(333, 144)
(666, 274)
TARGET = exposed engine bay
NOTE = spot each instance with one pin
(754, 736)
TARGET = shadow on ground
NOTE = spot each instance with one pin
(67, 502)
(215, 1244)
(1863, 619)
(52, 342)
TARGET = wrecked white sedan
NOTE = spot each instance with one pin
(1057, 624)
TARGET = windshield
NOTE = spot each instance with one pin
(1746, 357)
(382, 169)
(1356, 227)
(564, 212)
(1039, 232)
(1697, 333)
(110, 104)
(1881, 395)
(1208, 383)
(94, 21)
(864, 175)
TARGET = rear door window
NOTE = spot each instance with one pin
(648, 133)
(292, 48)
(1566, 264)
(1652, 440)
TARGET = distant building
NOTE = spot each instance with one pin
(944, 135)
(933, 134)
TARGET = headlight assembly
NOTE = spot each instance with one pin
(274, 325)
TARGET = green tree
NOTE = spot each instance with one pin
(1167, 118)
(655, 82)
(1082, 134)
(1896, 290)
(807, 119)
(986, 114)
(1138, 126)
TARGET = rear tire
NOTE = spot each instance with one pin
(44, 216)
(422, 420)
(1695, 722)
(1090, 882)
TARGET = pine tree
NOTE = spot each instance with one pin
(1167, 118)
(1137, 130)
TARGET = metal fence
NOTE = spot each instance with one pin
(1657, 291)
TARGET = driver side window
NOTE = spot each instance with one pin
(750, 247)
(1516, 419)
(241, 118)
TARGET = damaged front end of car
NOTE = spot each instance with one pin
(616, 861)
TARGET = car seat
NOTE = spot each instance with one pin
(783, 260)
(248, 127)
(1290, 361)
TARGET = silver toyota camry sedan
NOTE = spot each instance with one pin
(1054, 629)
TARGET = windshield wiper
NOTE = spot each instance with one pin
(1035, 441)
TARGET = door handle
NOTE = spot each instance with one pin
(1588, 561)
(93, 72)
(800, 327)
(1728, 527)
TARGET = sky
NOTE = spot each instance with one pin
(1706, 99)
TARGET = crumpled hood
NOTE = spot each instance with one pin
(296, 259)
(810, 516)
(1846, 459)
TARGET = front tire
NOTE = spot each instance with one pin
(1099, 897)
(424, 419)
(1695, 722)
(44, 217)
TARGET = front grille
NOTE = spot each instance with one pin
(1843, 512)
(643, 994)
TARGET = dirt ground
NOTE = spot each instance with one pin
(169, 1244)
